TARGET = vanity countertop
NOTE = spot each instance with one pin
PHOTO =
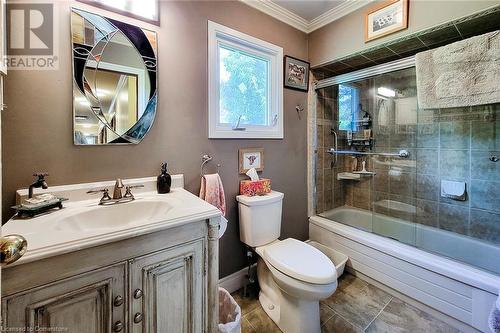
(83, 223)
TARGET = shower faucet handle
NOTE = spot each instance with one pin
(403, 153)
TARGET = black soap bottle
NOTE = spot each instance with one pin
(164, 180)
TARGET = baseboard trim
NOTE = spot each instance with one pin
(235, 281)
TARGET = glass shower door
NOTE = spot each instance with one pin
(362, 126)
(394, 191)
(368, 122)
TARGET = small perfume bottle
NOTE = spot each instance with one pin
(164, 181)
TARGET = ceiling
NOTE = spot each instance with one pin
(311, 9)
(307, 15)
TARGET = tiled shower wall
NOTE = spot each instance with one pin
(456, 144)
(447, 144)
(329, 194)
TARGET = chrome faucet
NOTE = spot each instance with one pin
(40, 182)
(118, 197)
(117, 191)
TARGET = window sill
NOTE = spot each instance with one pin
(248, 134)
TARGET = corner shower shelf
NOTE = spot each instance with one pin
(363, 122)
(360, 142)
(348, 176)
(353, 175)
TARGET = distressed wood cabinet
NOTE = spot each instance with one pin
(149, 284)
(167, 290)
(80, 304)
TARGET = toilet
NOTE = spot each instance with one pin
(293, 276)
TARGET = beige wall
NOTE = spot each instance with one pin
(37, 126)
(346, 35)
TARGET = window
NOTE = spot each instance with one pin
(348, 107)
(245, 85)
(146, 10)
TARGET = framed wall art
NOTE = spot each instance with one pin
(386, 18)
(251, 158)
(296, 74)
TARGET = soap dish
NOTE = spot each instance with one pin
(32, 210)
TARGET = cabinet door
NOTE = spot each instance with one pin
(88, 303)
(167, 291)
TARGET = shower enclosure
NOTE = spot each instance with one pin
(429, 178)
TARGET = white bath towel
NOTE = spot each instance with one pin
(464, 73)
(494, 319)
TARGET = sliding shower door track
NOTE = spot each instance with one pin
(367, 72)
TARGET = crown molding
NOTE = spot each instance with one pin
(273, 9)
(337, 12)
(280, 13)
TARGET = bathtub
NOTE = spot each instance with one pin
(453, 288)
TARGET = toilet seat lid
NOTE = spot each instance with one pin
(301, 261)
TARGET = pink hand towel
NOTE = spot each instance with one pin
(212, 191)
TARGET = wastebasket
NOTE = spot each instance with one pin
(229, 313)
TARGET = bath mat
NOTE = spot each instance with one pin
(464, 73)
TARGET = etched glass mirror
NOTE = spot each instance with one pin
(114, 80)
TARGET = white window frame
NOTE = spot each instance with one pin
(219, 34)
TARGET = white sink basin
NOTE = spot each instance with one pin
(83, 223)
(112, 216)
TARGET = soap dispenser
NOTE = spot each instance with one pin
(164, 180)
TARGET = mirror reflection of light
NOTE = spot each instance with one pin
(101, 92)
(87, 125)
(82, 101)
(386, 92)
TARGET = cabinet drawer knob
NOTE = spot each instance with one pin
(137, 317)
(118, 301)
(137, 293)
(118, 327)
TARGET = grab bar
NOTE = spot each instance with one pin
(335, 142)
(403, 153)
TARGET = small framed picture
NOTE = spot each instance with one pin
(385, 19)
(251, 158)
(296, 74)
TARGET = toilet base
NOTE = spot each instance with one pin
(292, 315)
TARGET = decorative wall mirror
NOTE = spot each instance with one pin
(114, 80)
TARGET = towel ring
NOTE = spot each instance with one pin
(204, 160)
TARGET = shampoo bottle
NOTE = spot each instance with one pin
(164, 180)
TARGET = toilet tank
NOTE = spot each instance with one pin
(260, 218)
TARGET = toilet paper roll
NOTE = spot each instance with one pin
(222, 226)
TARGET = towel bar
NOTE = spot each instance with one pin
(204, 160)
(403, 153)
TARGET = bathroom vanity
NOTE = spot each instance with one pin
(150, 265)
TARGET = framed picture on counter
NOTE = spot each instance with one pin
(385, 19)
(251, 158)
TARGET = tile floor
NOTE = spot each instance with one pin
(355, 307)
